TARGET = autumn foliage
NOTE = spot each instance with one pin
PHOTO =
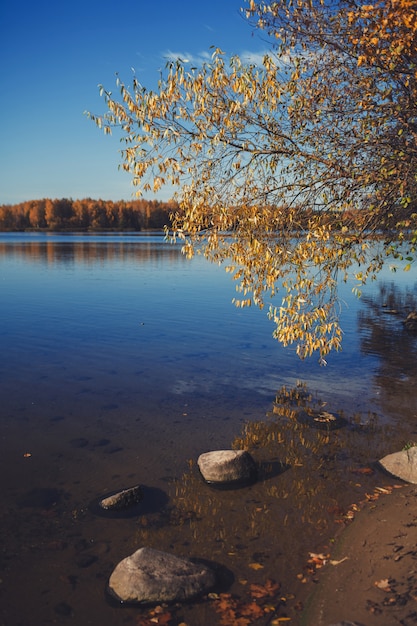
(323, 127)
(86, 214)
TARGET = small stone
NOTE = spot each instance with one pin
(227, 466)
(122, 499)
(149, 576)
(402, 464)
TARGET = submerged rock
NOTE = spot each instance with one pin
(227, 466)
(122, 499)
(149, 576)
(402, 464)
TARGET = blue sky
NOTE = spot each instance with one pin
(53, 56)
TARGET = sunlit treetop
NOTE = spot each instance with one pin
(294, 172)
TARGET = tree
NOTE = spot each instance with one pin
(36, 213)
(293, 172)
(58, 213)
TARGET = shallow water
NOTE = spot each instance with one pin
(120, 363)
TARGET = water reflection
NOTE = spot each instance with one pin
(121, 363)
(312, 481)
(383, 334)
(72, 250)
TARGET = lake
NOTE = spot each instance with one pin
(120, 363)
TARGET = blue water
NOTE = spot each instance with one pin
(130, 302)
(120, 362)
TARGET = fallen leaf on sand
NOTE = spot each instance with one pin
(318, 559)
(264, 591)
(252, 610)
(255, 566)
(383, 584)
(338, 562)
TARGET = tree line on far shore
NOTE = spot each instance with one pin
(141, 214)
(86, 214)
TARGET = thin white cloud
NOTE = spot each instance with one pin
(187, 57)
(254, 58)
(247, 56)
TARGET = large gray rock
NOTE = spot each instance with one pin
(227, 466)
(122, 499)
(402, 464)
(149, 576)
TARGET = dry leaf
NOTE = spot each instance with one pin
(264, 591)
(255, 566)
(318, 559)
(363, 470)
(384, 489)
(213, 596)
(252, 610)
(338, 562)
(383, 584)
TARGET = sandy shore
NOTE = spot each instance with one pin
(371, 576)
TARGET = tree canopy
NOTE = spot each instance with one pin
(294, 172)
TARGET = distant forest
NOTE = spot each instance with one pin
(87, 214)
(136, 215)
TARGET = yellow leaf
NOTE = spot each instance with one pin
(338, 562)
(383, 584)
(255, 566)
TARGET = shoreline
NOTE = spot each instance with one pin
(371, 578)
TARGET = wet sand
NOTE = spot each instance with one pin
(375, 580)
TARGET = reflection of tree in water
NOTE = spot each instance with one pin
(83, 250)
(383, 334)
(313, 475)
(305, 465)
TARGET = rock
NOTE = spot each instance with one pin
(227, 466)
(122, 499)
(410, 321)
(402, 464)
(149, 576)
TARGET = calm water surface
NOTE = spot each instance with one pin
(120, 363)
